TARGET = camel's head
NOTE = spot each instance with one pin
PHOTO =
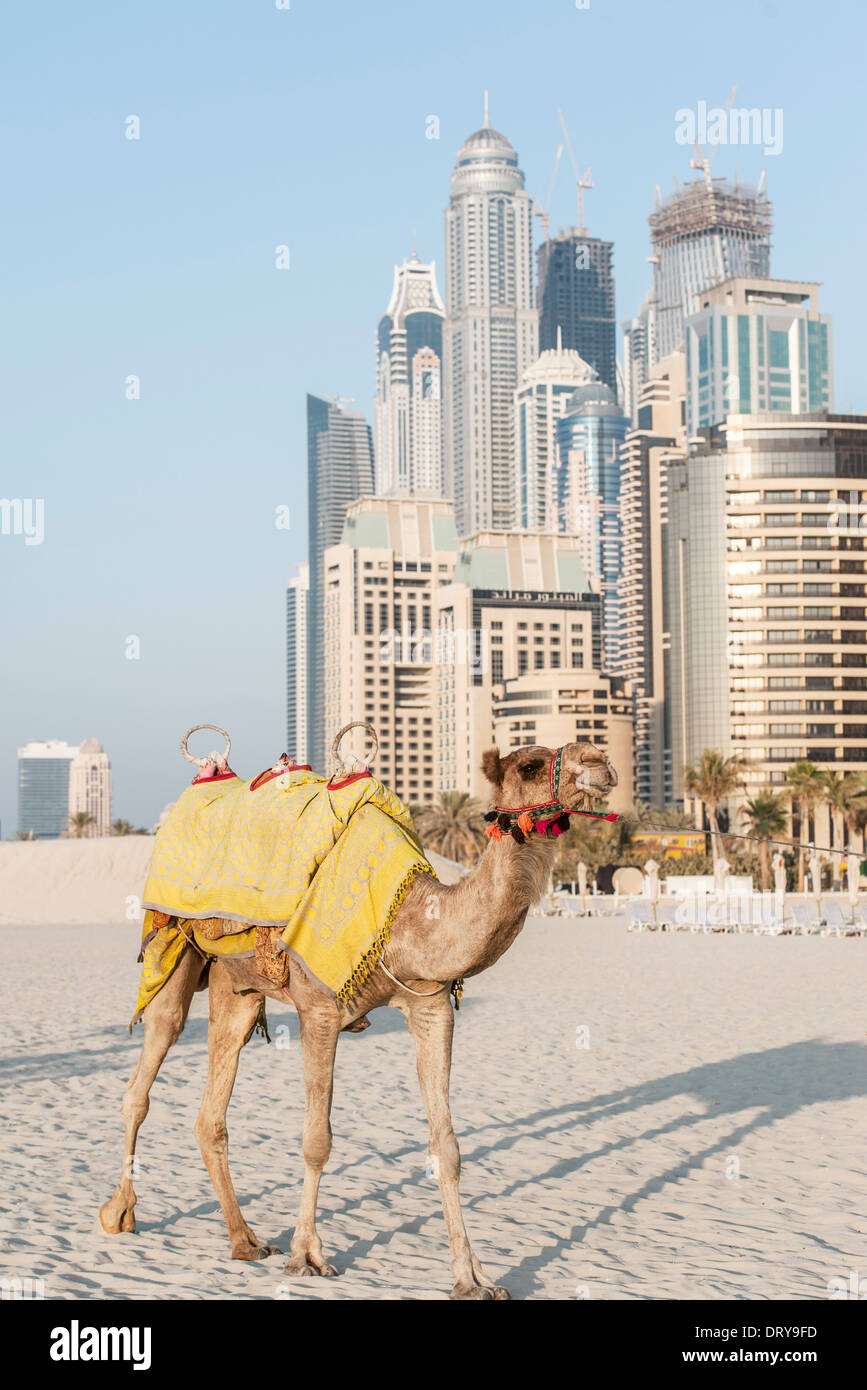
(533, 786)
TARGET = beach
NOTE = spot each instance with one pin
(641, 1116)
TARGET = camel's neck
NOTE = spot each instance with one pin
(461, 929)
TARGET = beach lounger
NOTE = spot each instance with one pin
(806, 918)
(640, 916)
(837, 921)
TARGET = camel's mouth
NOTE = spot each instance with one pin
(592, 778)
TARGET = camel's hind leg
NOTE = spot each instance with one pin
(233, 1018)
(320, 1028)
(164, 1019)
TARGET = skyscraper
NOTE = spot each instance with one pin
(339, 469)
(90, 786)
(383, 579)
(576, 297)
(639, 353)
(755, 345)
(408, 410)
(297, 592)
(705, 232)
(656, 441)
(590, 434)
(541, 398)
(43, 787)
(766, 605)
(491, 330)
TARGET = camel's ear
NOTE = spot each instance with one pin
(492, 766)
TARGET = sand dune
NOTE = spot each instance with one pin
(708, 1143)
(90, 882)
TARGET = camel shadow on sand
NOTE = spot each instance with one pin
(778, 1082)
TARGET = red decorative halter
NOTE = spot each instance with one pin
(545, 817)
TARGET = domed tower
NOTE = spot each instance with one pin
(491, 331)
(90, 787)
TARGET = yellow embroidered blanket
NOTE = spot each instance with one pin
(328, 864)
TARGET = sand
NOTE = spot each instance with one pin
(707, 1143)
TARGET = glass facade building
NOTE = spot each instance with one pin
(576, 296)
(339, 470)
(755, 346)
(43, 788)
(590, 436)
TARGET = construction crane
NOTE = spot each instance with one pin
(581, 183)
(538, 210)
(704, 161)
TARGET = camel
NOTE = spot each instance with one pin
(439, 934)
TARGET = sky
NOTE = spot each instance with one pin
(156, 258)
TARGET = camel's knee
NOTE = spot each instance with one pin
(211, 1135)
(135, 1108)
(316, 1144)
(445, 1146)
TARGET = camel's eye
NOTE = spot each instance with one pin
(531, 769)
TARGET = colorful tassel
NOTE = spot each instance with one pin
(494, 832)
(542, 826)
(525, 822)
(490, 816)
(518, 836)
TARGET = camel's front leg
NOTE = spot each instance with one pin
(431, 1023)
(319, 1032)
(233, 1017)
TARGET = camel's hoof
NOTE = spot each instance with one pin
(480, 1293)
(305, 1270)
(113, 1221)
(255, 1252)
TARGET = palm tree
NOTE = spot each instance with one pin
(714, 779)
(122, 827)
(840, 794)
(855, 810)
(452, 825)
(766, 815)
(807, 785)
(79, 824)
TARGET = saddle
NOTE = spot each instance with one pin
(289, 866)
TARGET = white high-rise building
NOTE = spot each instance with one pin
(381, 586)
(491, 332)
(90, 786)
(297, 592)
(540, 400)
(408, 419)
